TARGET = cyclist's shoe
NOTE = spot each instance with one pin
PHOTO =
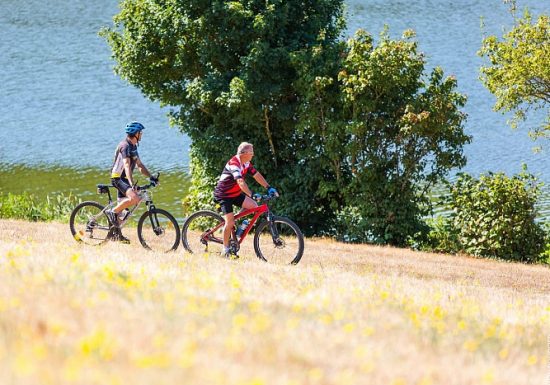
(228, 255)
(121, 238)
(113, 217)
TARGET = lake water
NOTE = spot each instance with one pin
(62, 108)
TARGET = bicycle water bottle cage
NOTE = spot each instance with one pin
(102, 189)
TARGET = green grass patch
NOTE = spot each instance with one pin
(27, 206)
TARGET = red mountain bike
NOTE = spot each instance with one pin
(276, 239)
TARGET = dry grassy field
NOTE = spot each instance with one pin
(347, 314)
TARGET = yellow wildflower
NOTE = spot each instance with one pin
(471, 345)
(488, 377)
(155, 360)
(315, 374)
(240, 320)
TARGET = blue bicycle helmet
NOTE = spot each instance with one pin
(133, 128)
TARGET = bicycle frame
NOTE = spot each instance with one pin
(257, 211)
(143, 196)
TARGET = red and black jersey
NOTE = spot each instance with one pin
(227, 186)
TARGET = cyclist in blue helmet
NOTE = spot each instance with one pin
(125, 160)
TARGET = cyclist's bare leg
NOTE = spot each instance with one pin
(229, 223)
(131, 199)
(249, 203)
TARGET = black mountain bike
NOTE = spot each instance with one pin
(276, 239)
(157, 229)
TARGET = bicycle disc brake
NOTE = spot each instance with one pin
(279, 243)
(158, 231)
(277, 240)
(90, 226)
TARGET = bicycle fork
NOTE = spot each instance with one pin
(277, 241)
(157, 228)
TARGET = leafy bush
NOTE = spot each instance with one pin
(545, 256)
(493, 216)
(441, 237)
(26, 206)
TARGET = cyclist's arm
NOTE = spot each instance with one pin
(244, 187)
(261, 180)
(141, 167)
(128, 170)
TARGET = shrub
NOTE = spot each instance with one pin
(441, 237)
(494, 216)
(26, 206)
(545, 256)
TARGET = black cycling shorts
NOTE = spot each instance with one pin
(226, 204)
(122, 185)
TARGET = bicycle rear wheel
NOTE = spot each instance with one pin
(89, 224)
(158, 230)
(279, 241)
(200, 229)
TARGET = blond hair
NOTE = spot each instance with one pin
(243, 147)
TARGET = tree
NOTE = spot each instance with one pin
(519, 70)
(386, 131)
(227, 66)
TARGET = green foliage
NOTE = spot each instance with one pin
(25, 206)
(494, 216)
(383, 130)
(228, 67)
(340, 128)
(442, 237)
(518, 73)
(545, 256)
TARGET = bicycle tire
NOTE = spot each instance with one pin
(193, 228)
(287, 248)
(88, 225)
(158, 230)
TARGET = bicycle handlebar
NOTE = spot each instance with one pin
(148, 186)
(267, 197)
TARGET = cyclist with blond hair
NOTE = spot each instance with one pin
(232, 189)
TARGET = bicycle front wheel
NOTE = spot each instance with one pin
(89, 224)
(158, 230)
(279, 241)
(200, 229)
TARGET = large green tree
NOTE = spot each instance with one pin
(227, 66)
(518, 73)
